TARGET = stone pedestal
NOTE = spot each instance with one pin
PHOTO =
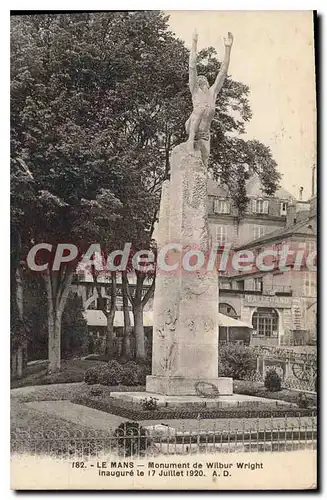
(185, 386)
(185, 329)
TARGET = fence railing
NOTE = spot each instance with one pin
(248, 435)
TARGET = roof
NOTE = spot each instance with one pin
(215, 189)
(254, 187)
(301, 228)
(95, 317)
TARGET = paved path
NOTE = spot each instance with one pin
(78, 414)
(96, 419)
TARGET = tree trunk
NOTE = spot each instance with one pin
(138, 304)
(54, 341)
(20, 306)
(57, 287)
(13, 364)
(108, 312)
(109, 347)
(126, 347)
(139, 332)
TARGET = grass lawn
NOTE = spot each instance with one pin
(31, 420)
(68, 385)
(72, 370)
(257, 389)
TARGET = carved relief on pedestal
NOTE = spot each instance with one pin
(197, 283)
(208, 324)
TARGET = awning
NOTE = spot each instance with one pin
(224, 320)
(95, 317)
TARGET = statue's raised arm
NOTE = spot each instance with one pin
(192, 64)
(219, 82)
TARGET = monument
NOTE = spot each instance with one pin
(185, 329)
(185, 311)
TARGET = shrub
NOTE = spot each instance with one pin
(236, 361)
(136, 372)
(131, 438)
(302, 400)
(143, 371)
(130, 376)
(113, 373)
(272, 381)
(91, 376)
(149, 403)
(96, 391)
(110, 376)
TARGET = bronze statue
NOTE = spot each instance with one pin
(204, 99)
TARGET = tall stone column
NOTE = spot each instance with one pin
(185, 328)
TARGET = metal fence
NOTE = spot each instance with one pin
(264, 435)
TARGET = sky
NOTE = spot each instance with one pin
(273, 53)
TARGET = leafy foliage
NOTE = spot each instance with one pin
(272, 381)
(150, 403)
(114, 373)
(238, 362)
(98, 101)
(302, 401)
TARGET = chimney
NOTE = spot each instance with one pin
(291, 215)
(301, 193)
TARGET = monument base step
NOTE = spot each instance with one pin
(181, 386)
(239, 400)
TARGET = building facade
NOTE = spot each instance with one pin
(264, 214)
(280, 303)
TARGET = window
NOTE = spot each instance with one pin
(258, 231)
(265, 322)
(258, 284)
(225, 285)
(283, 208)
(309, 284)
(240, 284)
(221, 206)
(227, 310)
(221, 234)
(260, 206)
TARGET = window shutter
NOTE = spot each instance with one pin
(265, 206)
(253, 205)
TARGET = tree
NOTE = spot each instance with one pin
(74, 331)
(97, 103)
(126, 347)
(22, 197)
(139, 301)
